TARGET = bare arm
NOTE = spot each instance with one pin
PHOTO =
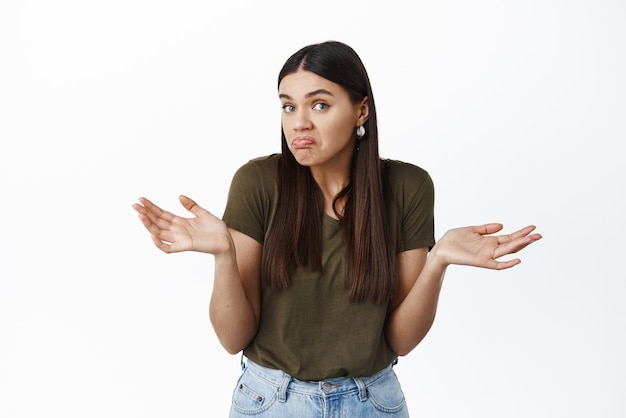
(235, 306)
(413, 311)
(235, 301)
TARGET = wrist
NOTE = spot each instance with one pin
(436, 257)
(226, 249)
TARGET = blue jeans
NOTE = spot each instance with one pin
(269, 393)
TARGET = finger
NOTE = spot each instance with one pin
(493, 264)
(487, 229)
(523, 232)
(502, 265)
(156, 211)
(147, 203)
(162, 219)
(145, 220)
(503, 239)
(515, 245)
(139, 208)
(148, 209)
(142, 212)
(190, 205)
(166, 236)
(161, 245)
(156, 226)
(148, 223)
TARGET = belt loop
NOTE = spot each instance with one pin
(282, 390)
(243, 365)
(362, 389)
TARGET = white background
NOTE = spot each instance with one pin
(516, 108)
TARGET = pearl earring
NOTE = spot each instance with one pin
(360, 131)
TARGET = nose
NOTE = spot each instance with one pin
(302, 121)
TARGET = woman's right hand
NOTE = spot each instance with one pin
(170, 233)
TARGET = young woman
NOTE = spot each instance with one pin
(326, 267)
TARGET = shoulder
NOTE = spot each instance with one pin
(270, 160)
(411, 197)
(258, 171)
(252, 196)
(400, 175)
(265, 164)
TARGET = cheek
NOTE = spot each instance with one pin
(343, 126)
(285, 128)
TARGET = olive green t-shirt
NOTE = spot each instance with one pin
(311, 330)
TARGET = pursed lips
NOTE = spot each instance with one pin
(302, 142)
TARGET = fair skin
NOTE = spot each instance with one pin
(319, 123)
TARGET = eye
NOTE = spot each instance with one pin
(320, 106)
(288, 108)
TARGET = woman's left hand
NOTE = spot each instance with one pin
(475, 246)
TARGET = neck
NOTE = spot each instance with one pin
(331, 182)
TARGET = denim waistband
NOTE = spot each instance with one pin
(329, 387)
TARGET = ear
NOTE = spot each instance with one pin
(364, 111)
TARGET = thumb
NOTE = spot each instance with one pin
(490, 228)
(189, 204)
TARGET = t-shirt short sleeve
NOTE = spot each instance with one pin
(414, 194)
(249, 198)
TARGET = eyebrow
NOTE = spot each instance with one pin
(308, 95)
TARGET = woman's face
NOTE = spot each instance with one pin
(319, 120)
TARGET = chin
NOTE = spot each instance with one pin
(305, 162)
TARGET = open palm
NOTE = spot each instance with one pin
(475, 246)
(171, 233)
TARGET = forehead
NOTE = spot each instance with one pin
(302, 82)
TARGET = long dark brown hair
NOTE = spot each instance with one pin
(295, 236)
